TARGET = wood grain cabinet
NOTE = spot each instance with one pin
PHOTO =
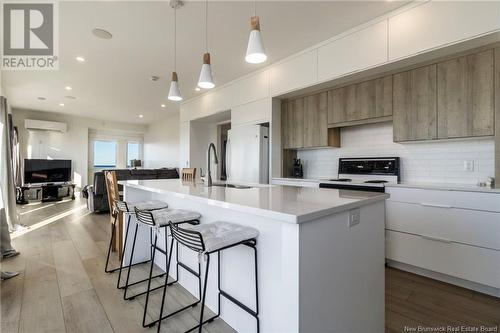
(292, 120)
(304, 123)
(415, 105)
(366, 100)
(466, 102)
(315, 125)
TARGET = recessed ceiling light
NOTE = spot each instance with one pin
(141, 116)
(101, 33)
(80, 59)
(197, 89)
(68, 88)
(42, 98)
(70, 97)
(61, 104)
(163, 105)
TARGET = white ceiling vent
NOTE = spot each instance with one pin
(42, 125)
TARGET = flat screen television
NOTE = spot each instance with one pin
(46, 171)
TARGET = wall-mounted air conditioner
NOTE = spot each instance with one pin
(42, 125)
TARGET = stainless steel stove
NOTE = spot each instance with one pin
(364, 174)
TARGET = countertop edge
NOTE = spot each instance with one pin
(343, 208)
(284, 217)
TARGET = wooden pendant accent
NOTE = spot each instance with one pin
(254, 23)
(206, 58)
(174, 77)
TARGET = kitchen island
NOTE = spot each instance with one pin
(320, 253)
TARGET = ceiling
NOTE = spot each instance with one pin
(114, 81)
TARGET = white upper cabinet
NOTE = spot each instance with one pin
(184, 135)
(251, 88)
(251, 113)
(184, 112)
(219, 100)
(294, 73)
(357, 51)
(438, 23)
(198, 107)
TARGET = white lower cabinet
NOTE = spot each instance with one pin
(466, 226)
(467, 262)
(456, 233)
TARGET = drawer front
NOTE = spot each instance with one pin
(472, 227)
(457, 199)
(463, 261)
(294, 183)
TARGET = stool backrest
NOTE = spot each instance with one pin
(188, 174)
(121, 205)
(189, 238)
(145, 217)
(112, 189)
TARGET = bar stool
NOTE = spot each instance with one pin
(206, 239)
(124, 207)
(156, 220)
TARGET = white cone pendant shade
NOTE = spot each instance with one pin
(255, 50)
(206, 81)
(174, 93)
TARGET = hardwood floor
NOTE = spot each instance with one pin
(63, 288)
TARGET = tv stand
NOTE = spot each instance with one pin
(49, 192)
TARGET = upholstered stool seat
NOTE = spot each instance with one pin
(163, 217)
(146, 205)
(218, 235)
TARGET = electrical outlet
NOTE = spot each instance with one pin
(354, 217)
(468, 165)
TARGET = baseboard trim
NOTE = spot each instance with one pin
(445, 278)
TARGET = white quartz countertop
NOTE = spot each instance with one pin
(447, 187)
(285, 203)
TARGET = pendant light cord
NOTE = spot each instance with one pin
(206, 26)
(255, 8)
(175, 39)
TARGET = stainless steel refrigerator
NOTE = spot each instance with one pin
(247, 154)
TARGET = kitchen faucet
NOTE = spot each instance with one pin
(209, 172)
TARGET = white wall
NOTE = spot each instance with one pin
(161, 143)
(70, 145)
(436, 161)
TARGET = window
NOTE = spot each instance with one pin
(132, 152)
(105, 154)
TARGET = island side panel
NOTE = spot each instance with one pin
(278, 254)
(342, 273)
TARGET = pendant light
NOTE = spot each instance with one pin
(174, 93)
(206, 81)
(255, 49)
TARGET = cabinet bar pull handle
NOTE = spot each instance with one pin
(437, 239)
(435, 205)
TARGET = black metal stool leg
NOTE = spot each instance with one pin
(113, 227)
(164, 288)
(130, 263)
(256, 290)
(149, 281)
(204, 293)
(123, 254)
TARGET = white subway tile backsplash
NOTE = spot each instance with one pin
(437, 161)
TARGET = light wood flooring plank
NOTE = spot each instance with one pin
(124, 316)
(41, 303)
(71, 275)
(84, 244)
(84, 313)
(10, 303)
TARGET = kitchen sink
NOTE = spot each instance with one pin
(240, 187)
